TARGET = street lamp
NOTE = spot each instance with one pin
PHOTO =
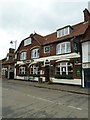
(14, 42)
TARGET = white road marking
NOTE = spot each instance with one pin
(75, 107)
(52, 101)
(49, 100)
(40, 98)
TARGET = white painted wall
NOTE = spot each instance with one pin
(19, 77)
(83, 78)
(85, 58)
(84, 52)
(67, 81)
(14, 73)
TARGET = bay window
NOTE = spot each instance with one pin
(62, 48)
(22, 70)
(64, 68)
(34, 70)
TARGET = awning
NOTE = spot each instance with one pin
(62, 60)
(22, 64)
(19, 63)
(32, 63)
(58, 57)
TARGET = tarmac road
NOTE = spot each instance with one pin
(22, 101)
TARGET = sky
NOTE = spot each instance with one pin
(20, 18)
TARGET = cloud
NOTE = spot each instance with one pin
(19, 18)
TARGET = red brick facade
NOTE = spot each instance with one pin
(79, 32)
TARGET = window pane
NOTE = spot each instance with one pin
(63, 64)
(62, 32)
(23, 56)
(46, 49)
(27, 41)
(63, 48)
(66, 31)
(35, 53)
(68, 48)
(22, 70)
(34, 70)
(58, 49)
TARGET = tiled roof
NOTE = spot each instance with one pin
(78, 29)
(39, 38)
(10, 61)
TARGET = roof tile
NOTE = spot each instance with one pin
(78, 29)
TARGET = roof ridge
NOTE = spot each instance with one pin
(78, 24)
(49, 34)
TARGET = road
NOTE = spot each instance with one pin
(23, 101)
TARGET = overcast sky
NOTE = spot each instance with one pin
(20, 18)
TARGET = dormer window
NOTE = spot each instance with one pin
(63, 31)
(27, 41)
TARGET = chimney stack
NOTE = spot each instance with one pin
(86, 15)
(11, 50)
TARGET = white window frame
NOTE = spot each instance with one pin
(27, 41)
(63, 32)
(35, 53)
(63, 48)
(60, 50)
(22, 70)
(61, 65)
(23, 55)
(34, 69)
(68, 48)
(45, 49)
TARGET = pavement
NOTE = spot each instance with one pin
(61, 87)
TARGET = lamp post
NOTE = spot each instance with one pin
(13, 65)
(14, 42)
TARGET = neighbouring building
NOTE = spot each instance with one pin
(28, 50)
(85, 43)
(56, 57)
(7, 69)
